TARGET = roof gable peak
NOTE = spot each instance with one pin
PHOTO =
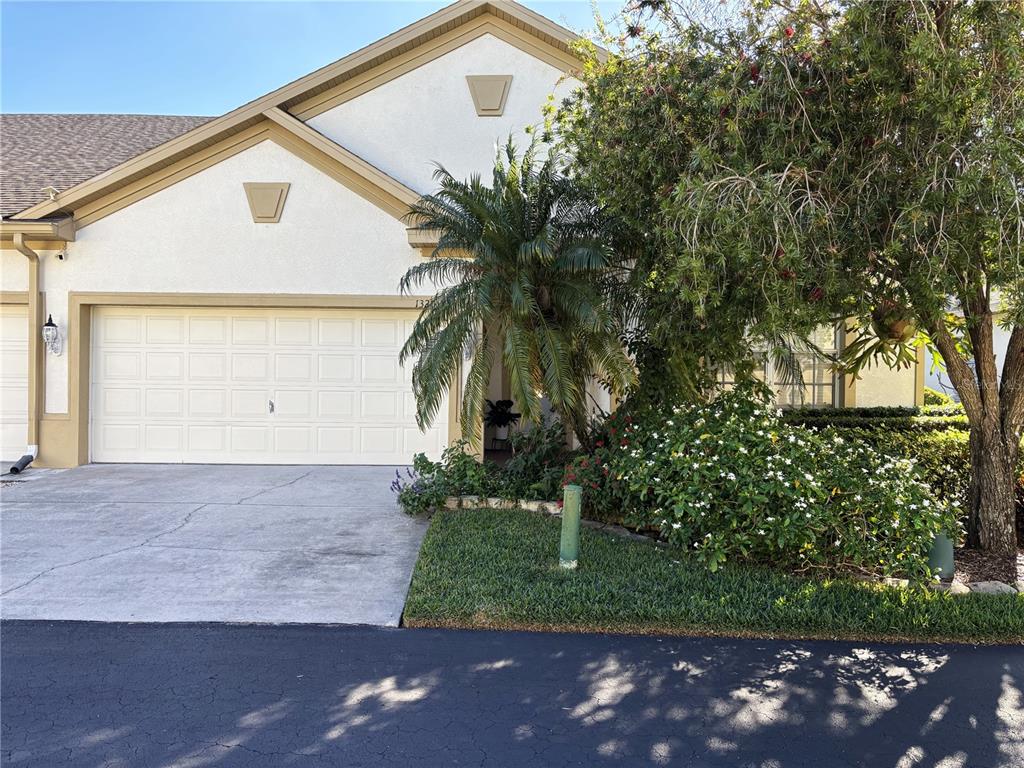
(513, 19)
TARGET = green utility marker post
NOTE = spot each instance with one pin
(569, 549)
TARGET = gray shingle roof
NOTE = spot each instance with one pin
(61, 151)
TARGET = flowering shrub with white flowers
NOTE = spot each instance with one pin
(730, 480)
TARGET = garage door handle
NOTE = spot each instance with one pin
(271, 405)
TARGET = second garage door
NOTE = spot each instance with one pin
(254, 386)
(13, 382)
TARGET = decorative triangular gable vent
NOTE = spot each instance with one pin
(489, 93)
(266, 200)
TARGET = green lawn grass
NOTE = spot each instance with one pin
(499, 569)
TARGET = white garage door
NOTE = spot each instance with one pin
(260, 386)
(13, 382)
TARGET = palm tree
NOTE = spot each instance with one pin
(525, 274)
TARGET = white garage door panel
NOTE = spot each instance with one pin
(172, 385)
(13, 381)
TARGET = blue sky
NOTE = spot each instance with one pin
(192, 58)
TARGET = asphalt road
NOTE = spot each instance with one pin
(84, 694)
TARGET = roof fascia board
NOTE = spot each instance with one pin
(58, 230)
(211, 130)
(122, 196)
(429, 51)
(337, 162)
(341, 173)
(542, 25)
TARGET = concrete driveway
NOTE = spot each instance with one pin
(182, 542)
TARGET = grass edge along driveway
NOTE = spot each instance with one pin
(498, 569)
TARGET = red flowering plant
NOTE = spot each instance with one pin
(599, 471)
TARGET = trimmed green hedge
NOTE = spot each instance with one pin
(797, 415)
(934, 397)
(927, 419)
(935, 437)
(887, 423)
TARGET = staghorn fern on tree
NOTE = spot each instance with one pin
(526, 276)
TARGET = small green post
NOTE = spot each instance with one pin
(569, 549)
(940, 557)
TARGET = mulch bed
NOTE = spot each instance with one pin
(977, 565)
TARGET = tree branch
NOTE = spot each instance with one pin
(978, 314)
(960, 373)
(1010, 391)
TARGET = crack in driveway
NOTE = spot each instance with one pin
(154, 537)
(275, 487)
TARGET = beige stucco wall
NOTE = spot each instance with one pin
(880, 385)
(13, 271)
(427, 115)
(198, 236)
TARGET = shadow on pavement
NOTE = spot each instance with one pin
(219, 695)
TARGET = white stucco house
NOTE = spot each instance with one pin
(225, 290)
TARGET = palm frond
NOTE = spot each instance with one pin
(474, 391)
(519, 356)
(436, 371)
(438, 272)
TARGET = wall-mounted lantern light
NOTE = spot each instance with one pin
(51, 336)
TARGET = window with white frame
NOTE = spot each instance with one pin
(819, 382)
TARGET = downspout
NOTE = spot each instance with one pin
(34, 353)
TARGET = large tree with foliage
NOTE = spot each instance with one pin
(527, 279)
(797, 163)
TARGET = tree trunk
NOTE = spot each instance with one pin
(992, 510)
(995, 412)
(576, 426)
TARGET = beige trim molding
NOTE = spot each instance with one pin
(48, 234)
(849, 391)
(539, 35)
(403, 196)
(64, 438)
(58, 442)
(283, 130)
(13, 297)
(271, 300)
(266, 200)
(454, 409)
(36, 245)
(489, 92)
(919, 378)
(124, 195)
(424, 240)
(429, 51)
(426, 243)
(34, 310)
